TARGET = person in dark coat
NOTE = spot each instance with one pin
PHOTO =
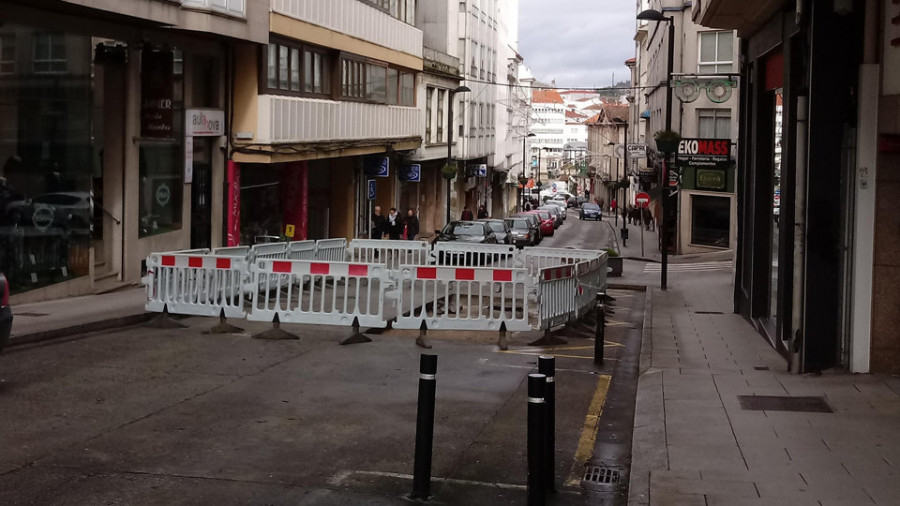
(394, 224)
(412, 225)
(378, 224)
(482, 212)
(467, 214)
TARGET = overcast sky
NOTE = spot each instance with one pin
(579, 43)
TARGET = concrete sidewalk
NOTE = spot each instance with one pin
(38, 321)
(694, 443)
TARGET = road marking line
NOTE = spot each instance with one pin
(589, 431)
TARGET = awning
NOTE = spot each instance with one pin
(646, 114)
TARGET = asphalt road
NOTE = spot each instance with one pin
(149, 416)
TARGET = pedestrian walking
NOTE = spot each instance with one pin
(394, 224)
(412, 225)
(466, 214)
(482, 212)
(378, 224)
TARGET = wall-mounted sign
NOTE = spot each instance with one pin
(411, 173)
(705, 163)
(637, 151)
(377, 166)
(157, 90)
(711, 179)
(370, 189)
(476, 170)
(204, 122)
(188, 160)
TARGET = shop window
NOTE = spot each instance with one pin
(716, 52)
(714, 123)
(7, 53)
(49, 53)
(710, 220)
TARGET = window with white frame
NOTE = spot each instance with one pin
(716, 52)
(714, 123)
(7, 53)
(49, 53)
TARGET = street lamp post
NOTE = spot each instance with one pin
(654, 15)
(460, 89)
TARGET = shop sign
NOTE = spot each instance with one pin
(204, 122)
(411, 173)
(477, 170)
(704, 152)
(710, 179)
(377, 166)
(42, 217)
(163, 194)
(188, 160)
(637, 151)
(157, 90)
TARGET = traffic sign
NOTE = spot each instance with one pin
(642, 199)
(371, 189)
(412, 173)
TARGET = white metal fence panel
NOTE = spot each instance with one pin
(201, 285)
(232, 251)
(462, 254)
(591, 278)
(332, 293)
(453, 298)
(301, 250)
(331, 250)
(556, 296)
(392, 254)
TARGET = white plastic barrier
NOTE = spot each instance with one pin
(534, 259)
(232, 251)
(591, 278)
(201, 285)
(301, 250)
(556, 295)
(271, 250)
(454, 298)
(331, 250)
(337, 292)
(393, 254)
(462, 254)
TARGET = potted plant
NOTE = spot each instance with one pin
(667, 141)
(448, 171)
(614, 263)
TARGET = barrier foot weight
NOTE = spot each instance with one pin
(420, 341)
(501, 341)
(223, 327)
(357, 337)
(549, 339)
(165, 321)
(275, 332)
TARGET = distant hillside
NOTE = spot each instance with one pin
(615, 91)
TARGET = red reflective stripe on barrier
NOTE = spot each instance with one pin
(223, 263)
(465, 274)
(283, 267)
(195, 262)
(548, 275)
(168, 261)
(426, 273)
(568, 272)
(358, 270)
(502, 275)
(318, 269)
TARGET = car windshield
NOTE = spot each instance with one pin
(517, 223)
(465, 229)
(497, 226)
(593, 207)
(545, 215)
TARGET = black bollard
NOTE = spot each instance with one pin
(424, 427)
(537, 431)
(547, 367)
(600, 330)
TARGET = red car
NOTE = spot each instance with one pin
(548, 222)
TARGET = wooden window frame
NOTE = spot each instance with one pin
(328, 69)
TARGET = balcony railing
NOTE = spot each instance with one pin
(294, 119)
(237, 8)
(356, 19)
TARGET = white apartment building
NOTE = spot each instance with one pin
(548, 123)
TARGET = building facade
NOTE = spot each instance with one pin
(817, 275)
(114, 131)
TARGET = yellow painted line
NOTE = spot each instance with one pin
(589, 431)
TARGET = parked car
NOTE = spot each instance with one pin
(6, 316)
(466, 231)
(535, 222)
(547, 222)
(591, 211)
(558, 203)
(500, 229)
(556, 212)
(522, 231)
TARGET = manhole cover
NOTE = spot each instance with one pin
(783, 403)
(31, 314)
(602, 475)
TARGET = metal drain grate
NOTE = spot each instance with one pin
(602, 475)
(782, 403)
